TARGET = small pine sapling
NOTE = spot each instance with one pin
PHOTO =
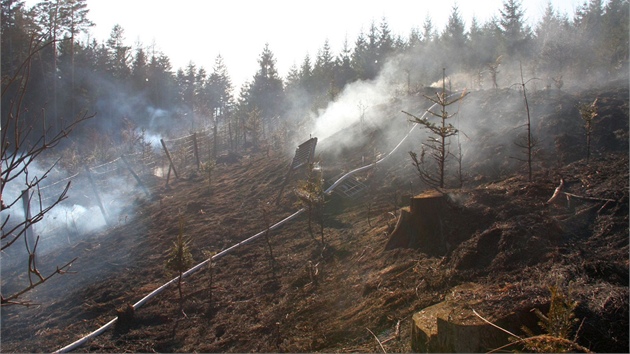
(208, 167)
(265, 214)
(311, 194)
(181, 259)
(438, 145)
(211, 265)
(588, 113)
(558, 326)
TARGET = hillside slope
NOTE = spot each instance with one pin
(312, 298)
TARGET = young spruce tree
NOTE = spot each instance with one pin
(438, 144)
(181, 259)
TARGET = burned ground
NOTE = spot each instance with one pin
(501, 233)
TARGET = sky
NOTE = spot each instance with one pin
(199, 30)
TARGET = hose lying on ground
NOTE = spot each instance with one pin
(85, 339)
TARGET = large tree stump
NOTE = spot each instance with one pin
(422, 227)
(452, 327)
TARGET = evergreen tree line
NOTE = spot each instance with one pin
(138, 84)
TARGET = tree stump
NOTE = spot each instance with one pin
(422, 227)
(126, 316)
(452, 327)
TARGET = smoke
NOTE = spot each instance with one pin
(153, 139)
(491, 121)
(73, 218)
(351, 107)
(124, 117)
(159, 120)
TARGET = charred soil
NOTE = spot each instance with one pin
(332, 297)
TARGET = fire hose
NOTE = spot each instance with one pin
(70, 347)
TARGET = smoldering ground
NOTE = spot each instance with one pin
(74, 218)
(492, 122)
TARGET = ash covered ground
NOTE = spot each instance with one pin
(500, 231)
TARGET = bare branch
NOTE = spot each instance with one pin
(379, 342)
(60, 270)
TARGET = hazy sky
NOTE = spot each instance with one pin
(199, 30)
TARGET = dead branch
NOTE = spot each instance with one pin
(556, 193)
(559, 191)
(589, 198)
(9, 299)
(540, 338)
(18, 151)
(378, 340)
(396, 334)
(495, 326)
(24, 225)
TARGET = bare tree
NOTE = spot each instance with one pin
(20, 148)
(362, 107)
(528, 142)
(265, 209)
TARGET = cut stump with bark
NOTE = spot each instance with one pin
(421, 226)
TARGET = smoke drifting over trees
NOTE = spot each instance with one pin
(120, 81)
(135, 92)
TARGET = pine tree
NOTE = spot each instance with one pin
(344, 72)
(616, 28)
(241, 114)
(514, 32)
(139, 70)
(360, 56)
(219, 89)
(49, 21)
(482, 48)
(428, 32)
(454, 33)
(14, 23)
(323, 75)
(454, 40)
(588, 25)
(589, 17)
(75, 19)
(306, 75)
(371, 55)
(119, 53)
(267, 90)
(553, 40)
(438, 145)
(161, 82)
(386, 43)
(415, 38)
(186, 81)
